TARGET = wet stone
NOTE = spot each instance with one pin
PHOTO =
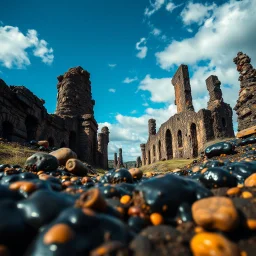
(219, 149)
(41, 161)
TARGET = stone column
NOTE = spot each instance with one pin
(246, 103)
(115, 160)
(151, 127)
(143, 153)
(105, 131)
(181, 83)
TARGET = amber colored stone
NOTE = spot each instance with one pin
(251, 181)
(233, 191)
(74, 178)
(26, 186)
(204, 170)
(86, 180)
(196, 168)
(251, 224)
(205, 243)
(134, 211)
(66, 184)
(125, 199)
(199, 229)
(59, 233)
(215, 213)
(247, 194)
(136, 173)
(156, 219)
(40, 172)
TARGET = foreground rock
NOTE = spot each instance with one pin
(205, 208)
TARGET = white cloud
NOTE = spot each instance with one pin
(171, 6)
(134, 111)
(154, 7)
(14, 47)
(156, 32)
(161, 89)
(112, 90)
(128, 80)
(112, 65)
(190, 30)
(196, 13)
(142, 49)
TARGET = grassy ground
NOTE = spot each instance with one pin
(14, 154)
(165, 166)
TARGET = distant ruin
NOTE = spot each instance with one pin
(23, 117)
(185, 134)
(118, 161)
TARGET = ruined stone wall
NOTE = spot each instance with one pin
(182, 136)
(246, 103)
(23, 117)
(185, 134)
(181, 83)
(221, 112)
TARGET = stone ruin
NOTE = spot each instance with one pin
(118, 161)
(185, 134)
(246, 103)
(23, 117)
(138, 163)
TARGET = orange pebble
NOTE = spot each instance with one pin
(251, 181)
(156, 219)
(247, 194)
(233, 191)
(251, 224)
(23, 185)
(125, 199)
(206, 243)
(59, 233)
(198, 229)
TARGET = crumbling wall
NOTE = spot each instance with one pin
(246, 103)
(23, 117)
(221, 112)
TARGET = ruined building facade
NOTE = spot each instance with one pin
(246, 103)
(185, 133)
(23, 117)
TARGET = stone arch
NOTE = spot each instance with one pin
(7, 130)
(159, 150)
(72, 140)
(168, 144)
(51, 142)
(62, 144)
(149, 157)
(180, 143)
(194, 142)
(31, 124)
(154, 150)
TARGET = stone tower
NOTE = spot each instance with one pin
(246, 103)
(74, 93)
(103, 140)
(181, 83)
(151, 127)
(221, 112)
(143, 153)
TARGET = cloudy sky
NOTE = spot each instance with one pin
(132, 49)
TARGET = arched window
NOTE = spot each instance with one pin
(31, 124)
(168, 144)
(149, 157)
(159, 150)
(180, 139)
(7, 130)
(154, 150)
(194, 141)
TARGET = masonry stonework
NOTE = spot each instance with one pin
(185, 134)
(23, 117)
(246, 103)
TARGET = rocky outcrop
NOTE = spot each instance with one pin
(246, 103)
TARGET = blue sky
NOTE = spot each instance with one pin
(131, 48)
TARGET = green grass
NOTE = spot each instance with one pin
(165, 166)
(13, 153)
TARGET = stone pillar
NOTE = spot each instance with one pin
(213, 86)
(138, 162)
(115, 160)
(246, 103)
(152, 127)
(105, 131)
(221, 112)
(120, 163)
(181, 83)
(100, 149)
(143, 153)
